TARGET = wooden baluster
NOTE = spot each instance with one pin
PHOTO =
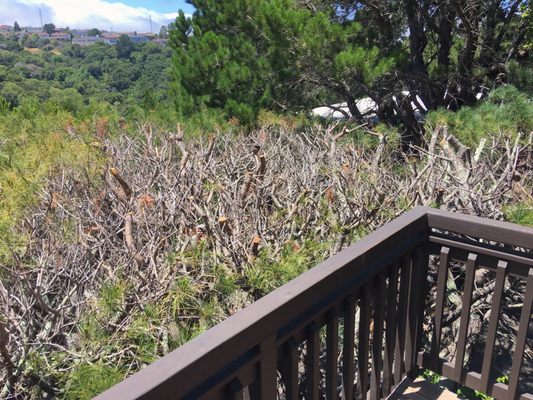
(399, 365)
(291, 380)
(348, 372)
(363, 345)
(377, 342)
(392, 297)
(493, 324)
(313, 368)
(236, 390)
(410, 331)
(332, 347)
(439, 306)
(518, 354)
(465, 318)
(418, 288)
(268, 369)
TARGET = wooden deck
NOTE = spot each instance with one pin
(420, 389)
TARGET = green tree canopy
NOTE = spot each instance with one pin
(49, 28)
(94, 32)
(243, 55)
(124, 46)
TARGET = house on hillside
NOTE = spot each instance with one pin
(61, 36)
(79, 32)
(31, 29)
(42, 35)
(110, 38)
(139, 38)
(6, 30)
(87, 40)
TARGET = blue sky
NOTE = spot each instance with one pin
(162, 6)
(115, 15)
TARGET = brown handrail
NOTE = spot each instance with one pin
(374, 290)
(507, 250)
(498, 231)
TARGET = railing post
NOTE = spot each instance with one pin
(458, 364)
(390, 334)
(521, 339)
(290, 369)
(399, 348)
(417, 295)
(422, 262)
(377, 340)
(312, 361)
(365, 308)
(266, 388)
(493, 324)
(348, 370)
(439, 305)
(332, 348)
(236, 390)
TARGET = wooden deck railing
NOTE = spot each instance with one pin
(354, 324)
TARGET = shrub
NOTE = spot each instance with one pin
(89, 380)
(507, 111)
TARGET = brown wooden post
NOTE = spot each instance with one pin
(365, 305)
(421, 263)
(291, 378)
(377, 340)
(390, 335)
(268, 368)
(493, 324)
(439, 306)
(312, 367)
(348, 370)
(332, 347)
(520, 346)
(399, 354)
(465, 318)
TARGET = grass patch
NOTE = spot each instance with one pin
(89, 380)
(32, 146)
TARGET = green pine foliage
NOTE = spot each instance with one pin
(280, 57)
(506, 111)
(88, 380)
(266, 274)
(520, 214)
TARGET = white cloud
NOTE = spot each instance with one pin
(83, 14)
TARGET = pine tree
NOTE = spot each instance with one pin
(49, 28)
(223, 64)
(243, 55)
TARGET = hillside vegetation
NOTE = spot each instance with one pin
(133, 78)
(147, 193)
(141, 242)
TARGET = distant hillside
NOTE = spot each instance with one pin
(132, 77)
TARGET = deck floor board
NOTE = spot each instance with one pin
(420, 389)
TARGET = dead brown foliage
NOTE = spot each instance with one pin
(162, 194)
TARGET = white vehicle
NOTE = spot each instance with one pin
(367, 107)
